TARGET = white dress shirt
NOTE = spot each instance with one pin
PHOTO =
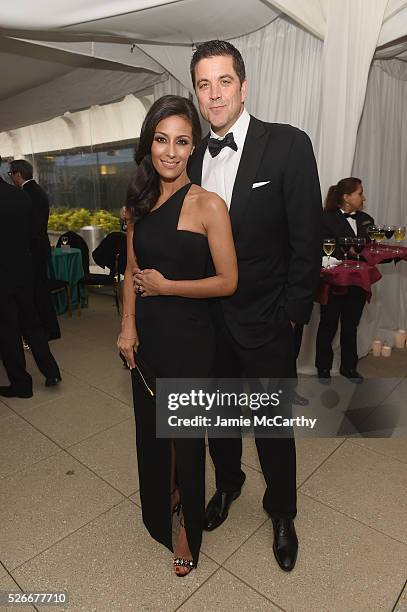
(219, 173)
(352, 222)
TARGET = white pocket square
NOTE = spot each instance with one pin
(255, 185)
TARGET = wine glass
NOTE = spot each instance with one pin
(358, 246)
(399, 234)
(379, 235)
(346, 244)
(388, 232)
(64, 240)
(371, 232)
(329, 246)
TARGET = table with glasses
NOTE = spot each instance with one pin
(67, 265)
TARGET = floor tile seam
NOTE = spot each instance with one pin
(91, 386)
(95, 473)
(133, 501)
(28, 409)
(392, 391)
(30, 465)
(97, 433)
(255, 529)
(372, 450)
(399, 597)
(58, 541)
(321, 464)
(353, 519)
(231, 572)
(241, 544)
(211, 575)
(18, 585)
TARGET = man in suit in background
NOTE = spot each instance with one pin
(21, 173)
(267, 175)
(18, 316)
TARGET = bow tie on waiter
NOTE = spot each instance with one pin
(215, 145)
(350, 215)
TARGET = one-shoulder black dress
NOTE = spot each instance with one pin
(176, 340)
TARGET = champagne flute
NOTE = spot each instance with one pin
(371, 232)
(399, 234)
(346, 244)
(358, 246)
(329, 247)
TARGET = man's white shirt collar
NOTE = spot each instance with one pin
(239, 130)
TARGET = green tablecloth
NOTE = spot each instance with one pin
(67, 265)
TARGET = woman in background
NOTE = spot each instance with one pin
(174, 228)
(342, 217)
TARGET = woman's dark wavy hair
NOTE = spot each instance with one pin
(144, 189)
(334, 197)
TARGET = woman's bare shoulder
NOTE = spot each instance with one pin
(207, 200)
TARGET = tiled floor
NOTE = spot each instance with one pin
(70, 517)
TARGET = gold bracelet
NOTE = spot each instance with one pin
(128, 315)
(124, 338)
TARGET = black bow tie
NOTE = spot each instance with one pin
(351, 215)
(215, 145)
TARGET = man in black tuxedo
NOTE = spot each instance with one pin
(18, 316)
(267, 175)
(21, 173)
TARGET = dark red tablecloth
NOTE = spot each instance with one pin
(337, 279)
(386, 253)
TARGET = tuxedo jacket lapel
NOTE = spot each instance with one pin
(256, 139)
(345, 226)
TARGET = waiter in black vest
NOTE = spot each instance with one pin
(18, 316)
(21, 173)
(267, 175)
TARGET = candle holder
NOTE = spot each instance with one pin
(400, 338)
(386, 351)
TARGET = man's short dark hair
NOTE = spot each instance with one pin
(23, 167)
(212, 48)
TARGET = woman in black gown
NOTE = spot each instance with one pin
(174, 228)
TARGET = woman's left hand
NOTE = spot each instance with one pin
(149, 282)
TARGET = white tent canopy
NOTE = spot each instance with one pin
(309, 63)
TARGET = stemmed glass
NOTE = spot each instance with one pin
(371, 232)
(379, 235)
(399, 234)
(346, 244)
(388, 232)
(329, 246)
(358, 246)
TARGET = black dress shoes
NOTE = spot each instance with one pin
(217, 509)
(11, 391)
(324, 376)
(54, 380)
(285, 546)
(352, 374)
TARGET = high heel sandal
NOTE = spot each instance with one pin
(181, 561)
